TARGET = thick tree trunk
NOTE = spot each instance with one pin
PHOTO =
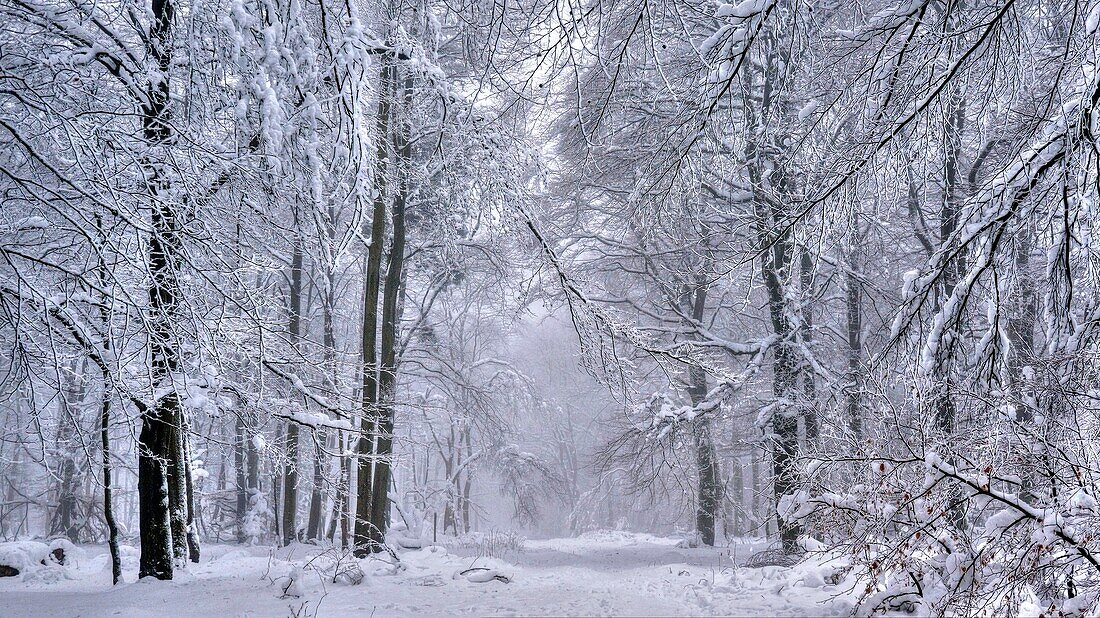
(943, 397)
(776, 270)
(365, 537)
(178, 512)
(710, 489)
(159, 422)
(380, 508)
(773, 188)
(709, 483)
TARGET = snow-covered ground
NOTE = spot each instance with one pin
(601, 573)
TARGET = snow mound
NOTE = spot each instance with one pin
(37, 561)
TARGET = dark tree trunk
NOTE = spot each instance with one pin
(108, 499)
(710, 488)
(773, 220)
(253, 462)
(365, 536)
(776, 270)
(316, 498)
(943, 398)
(159, 428)
(294, 328)
(178, 512)
(340, 503)
(853, 313)
(950, 211)
(387, 383)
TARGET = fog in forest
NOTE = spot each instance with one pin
(549, 307)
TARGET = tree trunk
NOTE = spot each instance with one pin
(108, 499)
(705, 457)
(316, 498)
(784, 424)
(252, 454)
(294, 331)
(943, 400)
(467, 485)
(809, 411)
(178, 512)
(853, 310)
(65, 516)
(380, 508)
(738, 510)
(239, 448)
(192, 537)
(105, 416)
(776, 251)
(158, 429)
(365, 537)
(854, 392)
(324, 438)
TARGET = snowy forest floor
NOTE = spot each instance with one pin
(597, 574)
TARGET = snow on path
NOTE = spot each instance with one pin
(598, 574)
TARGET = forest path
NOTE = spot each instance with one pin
(598, 574)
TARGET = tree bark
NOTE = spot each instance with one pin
(710, 489)
(323, 438)
(294, 331)
(241, 476)
(108, 498)
(192, 537)
(776, 270)
(158, 429)
(105, 415)
(65, 516)
(364, 535)
(390, 323)
(809, 386)
(854, 319)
